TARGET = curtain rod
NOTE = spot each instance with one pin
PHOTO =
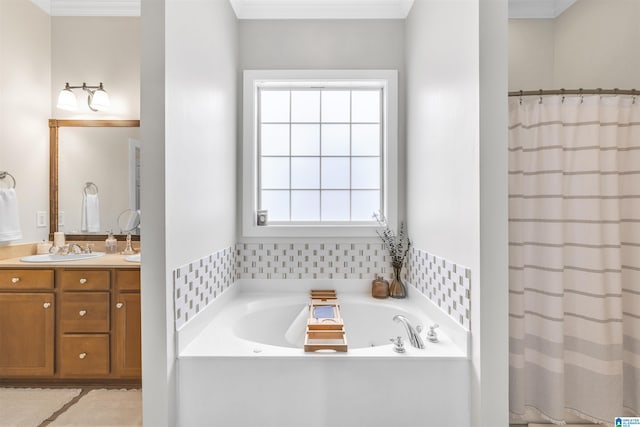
(580, 91)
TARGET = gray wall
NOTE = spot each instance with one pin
(592, 44)
(330, 44)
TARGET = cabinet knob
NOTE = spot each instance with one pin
(83, 281)
(82, 355)
(82, 312)
(119, 305)
(46, 305)
(15, 279)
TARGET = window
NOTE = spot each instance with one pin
(318, 151)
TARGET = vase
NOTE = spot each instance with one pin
(396, 287)
(380, 288)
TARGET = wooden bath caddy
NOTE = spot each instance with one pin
(325, 327)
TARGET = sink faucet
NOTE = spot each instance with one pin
(414, 338)
(75, 248)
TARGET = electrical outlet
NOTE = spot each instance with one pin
(41, 219)
(60, 218)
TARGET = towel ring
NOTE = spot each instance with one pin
(4, 175)
(89, 187)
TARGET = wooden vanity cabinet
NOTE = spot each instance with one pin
(84, 324)
(127, 321)
(70, 324)
(27, 315)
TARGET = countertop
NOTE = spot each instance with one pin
(106, 261)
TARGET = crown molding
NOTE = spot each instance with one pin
(45, 5)
(89, 7)
(538, 9)
(321, 9)
(299, 9)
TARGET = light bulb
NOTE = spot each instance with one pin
(67, 100)
(100, 99)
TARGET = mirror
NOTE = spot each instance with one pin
(129, 221)
(94, 176)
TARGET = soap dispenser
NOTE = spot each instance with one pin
(111, 244)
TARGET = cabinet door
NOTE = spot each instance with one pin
(127, 335)
(26, 334)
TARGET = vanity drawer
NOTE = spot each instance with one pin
(128, 280)
(84, 355)
(80, 280)
(84, 312)
(26, 279)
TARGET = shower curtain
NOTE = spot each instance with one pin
(574, 257)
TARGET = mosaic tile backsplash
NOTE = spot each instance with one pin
(198, 283)
(445, 283)
(311, 260)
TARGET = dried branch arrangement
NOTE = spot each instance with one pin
(397, 245)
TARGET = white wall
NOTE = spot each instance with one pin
(592, 44)
(330, 44)
(93, 50)
(189, 75)
(25, 75)
(448, 188)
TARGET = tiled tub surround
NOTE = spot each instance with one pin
(200, 282)
(445, 283)
(311, 260)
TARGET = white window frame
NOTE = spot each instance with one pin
(252, 80)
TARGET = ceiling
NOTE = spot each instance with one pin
(298, 9)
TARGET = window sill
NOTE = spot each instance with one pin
(311, 231)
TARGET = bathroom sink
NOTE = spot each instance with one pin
(132, 258)
(59, 258)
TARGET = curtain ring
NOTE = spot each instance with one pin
(540, 99)
(563, 97)
(521, 96)
(581, 95)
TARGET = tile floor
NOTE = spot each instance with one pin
(91, 407)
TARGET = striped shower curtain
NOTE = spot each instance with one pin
(574, 258)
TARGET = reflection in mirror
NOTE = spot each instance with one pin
(94, 182)
(129, 221)
(95, 175)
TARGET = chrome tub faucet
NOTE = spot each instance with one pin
(414, 338)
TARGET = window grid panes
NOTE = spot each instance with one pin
(320, 154)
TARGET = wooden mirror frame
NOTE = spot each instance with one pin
(54, 126)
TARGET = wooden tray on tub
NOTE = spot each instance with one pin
(325, 327)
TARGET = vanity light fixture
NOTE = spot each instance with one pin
(97, 100)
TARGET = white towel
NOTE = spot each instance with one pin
(90, 213)
(9, 216)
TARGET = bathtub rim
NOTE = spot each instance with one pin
(190, 331)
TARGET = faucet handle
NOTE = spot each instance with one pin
(88, 248)
(432, 335)
(398, 344)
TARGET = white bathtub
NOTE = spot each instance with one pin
(240, 364)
